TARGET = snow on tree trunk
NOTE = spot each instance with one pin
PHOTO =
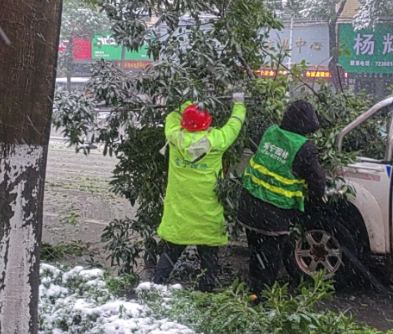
(28, 57)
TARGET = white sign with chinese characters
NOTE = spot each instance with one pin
(310, 42)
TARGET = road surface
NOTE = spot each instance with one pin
(78, 202)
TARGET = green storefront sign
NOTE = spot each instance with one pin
(105, 47)
(371, 51)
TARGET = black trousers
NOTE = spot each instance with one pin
(265, 259)
(209, 262)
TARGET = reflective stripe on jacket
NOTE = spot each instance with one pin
(269, 175)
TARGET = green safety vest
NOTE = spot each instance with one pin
(269, 174)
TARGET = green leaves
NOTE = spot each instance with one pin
(125, 246)
(284, 310)
(74, 113)
(203, 51)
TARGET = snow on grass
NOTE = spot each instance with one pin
(78, 301)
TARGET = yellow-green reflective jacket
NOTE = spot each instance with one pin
(193, 214)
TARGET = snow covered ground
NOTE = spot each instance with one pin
(78, 301)
(83, 301)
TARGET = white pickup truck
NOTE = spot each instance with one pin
(361, 228)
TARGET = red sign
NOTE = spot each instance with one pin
(134, 64)
(82, 48)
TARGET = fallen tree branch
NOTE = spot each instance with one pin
(249, 71)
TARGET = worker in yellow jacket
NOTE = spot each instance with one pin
(193, 214)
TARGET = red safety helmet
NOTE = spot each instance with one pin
(195, 120)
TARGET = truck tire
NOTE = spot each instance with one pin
(320, 246)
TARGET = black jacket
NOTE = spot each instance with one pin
(299, 118)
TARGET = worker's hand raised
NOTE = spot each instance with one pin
(238, 97)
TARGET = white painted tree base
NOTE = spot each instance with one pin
(21, 184)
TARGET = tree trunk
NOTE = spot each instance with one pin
(123, 57)
(27, 81)
(334, 68)
(69, 62)
(68, 85)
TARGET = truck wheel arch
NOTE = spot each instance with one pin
(350, 216)
(365, 205)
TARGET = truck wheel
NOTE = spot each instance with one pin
(320, 248)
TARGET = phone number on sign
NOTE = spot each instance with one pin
(384, 63)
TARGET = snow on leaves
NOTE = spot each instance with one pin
(78, 301)
(371, 12)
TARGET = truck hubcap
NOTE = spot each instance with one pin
(317, 250)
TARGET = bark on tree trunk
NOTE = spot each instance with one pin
(27, 81)
(69, 81)
(123, 57)
(334, 69)
(69, 62)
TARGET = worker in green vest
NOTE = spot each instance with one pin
(282, 174)
(193, 214)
